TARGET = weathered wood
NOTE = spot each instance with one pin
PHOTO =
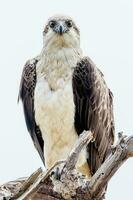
(32, 187)
(72, 185)
(120, 153)
(83, 140)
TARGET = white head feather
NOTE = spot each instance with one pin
(69, 39)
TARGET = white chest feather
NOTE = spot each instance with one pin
(55, 116)
(55, 110)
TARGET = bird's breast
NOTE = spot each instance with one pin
(54, 113)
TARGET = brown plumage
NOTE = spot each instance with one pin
(94, 110)
(26, 94)
(56, 69)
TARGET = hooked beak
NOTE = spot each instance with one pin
(60, 29)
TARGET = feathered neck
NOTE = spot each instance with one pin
(57, 64)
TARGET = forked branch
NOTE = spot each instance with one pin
(71, 185)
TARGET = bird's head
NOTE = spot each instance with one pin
(61, 31)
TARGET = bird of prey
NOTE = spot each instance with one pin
(64, 93)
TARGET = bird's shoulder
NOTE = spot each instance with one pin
(28, 78)
(85, 67)
(29, 68)
(88, 78)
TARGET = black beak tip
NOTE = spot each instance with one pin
(60, 30)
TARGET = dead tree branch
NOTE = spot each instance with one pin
(71, 185)
(83, 140)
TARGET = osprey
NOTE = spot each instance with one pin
(64, 93)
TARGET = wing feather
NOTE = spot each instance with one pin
(93, 110)
(26, 94)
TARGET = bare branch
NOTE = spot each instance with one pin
(33, 187)
(83, 140)
(27, 183)
(123, 150)
(72, 184)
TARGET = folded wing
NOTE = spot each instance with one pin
(26, 94)
(93, 110)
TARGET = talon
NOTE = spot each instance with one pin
(57, 173)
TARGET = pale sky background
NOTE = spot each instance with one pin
(106, 36)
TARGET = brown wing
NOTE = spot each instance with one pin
(26, 94)
(93, 110)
